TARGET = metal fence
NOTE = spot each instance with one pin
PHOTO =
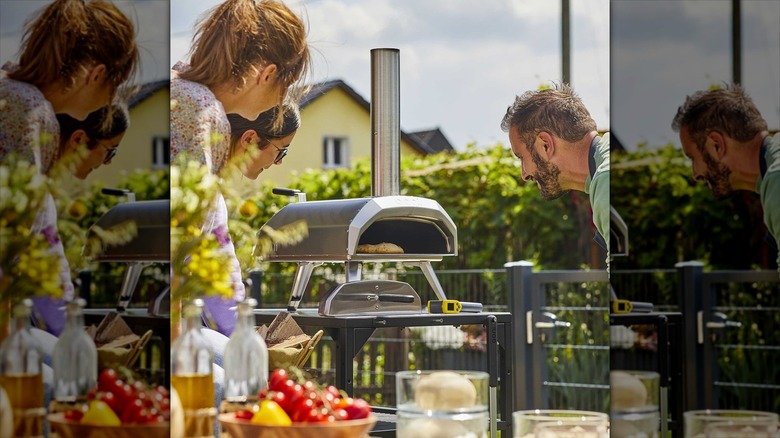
(576, 355)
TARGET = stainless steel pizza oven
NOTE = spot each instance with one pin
(150, 245)
(339, 228)
(418, 229)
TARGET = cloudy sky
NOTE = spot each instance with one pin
(663, 51)
(461, 62)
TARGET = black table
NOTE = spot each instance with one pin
(350, 333)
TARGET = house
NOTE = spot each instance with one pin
(336, 131)
(146, 144)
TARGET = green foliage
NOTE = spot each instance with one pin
(499, 217)
(672, 219)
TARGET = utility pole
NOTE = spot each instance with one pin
(736, 41)
(566, 43)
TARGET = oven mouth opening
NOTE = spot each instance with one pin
(414, 236)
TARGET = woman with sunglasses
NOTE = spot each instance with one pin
(256, 145)
(245, 56)
(88, 144)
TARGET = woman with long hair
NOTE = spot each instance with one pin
(246, 55)
(74, 55)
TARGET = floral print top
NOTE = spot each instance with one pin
(29, 128)
(28, 125)
(200, 127)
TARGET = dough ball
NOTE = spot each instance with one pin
(444, 390)
(626, 391)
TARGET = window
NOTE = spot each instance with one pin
(161, 153)
(335, 152)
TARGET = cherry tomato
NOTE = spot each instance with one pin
(357, 408)
(74, 415)
(278, 378)
(131, 411)
(244, 414)
(110, 399)
(333, 390)
(340, 415)
(107, 378)
(302, 410)
(162, 390)
(281, 399)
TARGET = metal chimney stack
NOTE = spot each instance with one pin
(385, 123)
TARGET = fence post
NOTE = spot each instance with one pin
(520, 293)
(690, 293)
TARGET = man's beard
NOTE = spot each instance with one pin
(547, 178)
(718, 177)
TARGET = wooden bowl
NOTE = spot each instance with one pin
(72, 429)
(341, 429)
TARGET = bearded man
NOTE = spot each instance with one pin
(727, 140)
(554, 135)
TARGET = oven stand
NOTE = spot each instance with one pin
(302, 275)
(430, 275)
(130, 281)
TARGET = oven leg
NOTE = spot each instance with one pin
(430, 275)
(354, 271)
(130, 281)
(302, 275)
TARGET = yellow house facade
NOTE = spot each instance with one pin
(335, 132)
(146, 142)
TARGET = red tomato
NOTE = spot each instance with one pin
(110, 399)
(244, 414)
(340, 415)
(107, 378)
(278, 378)
(302, 409)
(131, 411)
(74, 415)
(162, 390)
(356, 408)
(281, 399)
(333, 390)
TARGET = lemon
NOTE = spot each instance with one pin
(271, 414)
(100, 414)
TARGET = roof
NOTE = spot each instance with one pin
(319, 89)
(434, 139)
(147, 90)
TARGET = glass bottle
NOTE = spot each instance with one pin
(246, 357)
(21, 362)
(74, 359)
(191, 362)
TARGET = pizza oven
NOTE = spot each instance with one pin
(385, 227)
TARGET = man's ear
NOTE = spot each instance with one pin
(547, 144)
(717, 142)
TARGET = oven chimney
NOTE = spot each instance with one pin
(385, 123)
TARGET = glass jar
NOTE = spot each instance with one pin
(191, 362)
(21, 359)
(74, 359)
(246, 358)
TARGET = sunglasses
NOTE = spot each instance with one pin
(110, 152)
(282, 152)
